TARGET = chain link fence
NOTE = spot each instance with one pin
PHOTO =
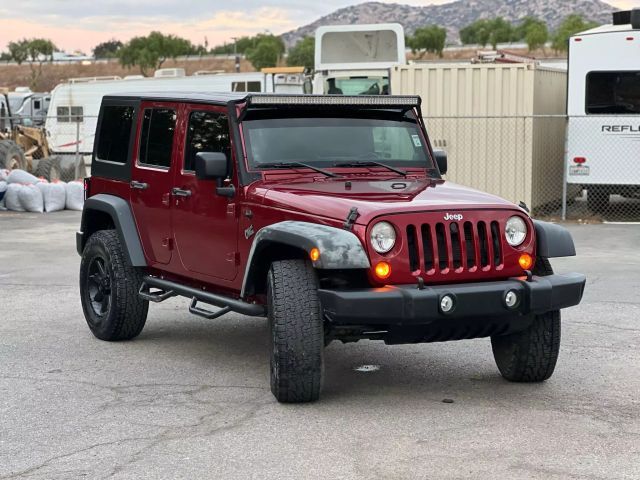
(54, 148)
(578, 168)
(574, 168)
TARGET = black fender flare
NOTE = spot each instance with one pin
(120, 212)
(553, 240)
(339, 248)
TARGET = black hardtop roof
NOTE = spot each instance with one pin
(274, 99)
(199, 97)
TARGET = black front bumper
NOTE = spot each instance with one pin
(408, 305)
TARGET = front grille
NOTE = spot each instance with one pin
(441, 248)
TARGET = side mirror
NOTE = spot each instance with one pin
(214, 166)
(211, 165)
(441, 160)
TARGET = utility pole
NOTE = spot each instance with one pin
(235, 53)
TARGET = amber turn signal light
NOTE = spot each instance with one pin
(525, 261)
(382, 270)
(314, 254)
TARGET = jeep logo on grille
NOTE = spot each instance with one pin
(456, 216)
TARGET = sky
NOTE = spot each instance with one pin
(81, 24)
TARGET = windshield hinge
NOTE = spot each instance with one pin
(351, 218)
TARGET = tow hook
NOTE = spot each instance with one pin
(420, 283)
(529, 275)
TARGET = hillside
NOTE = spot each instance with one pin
(455, 15)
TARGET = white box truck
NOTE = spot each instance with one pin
(356, 59)
(603, 134)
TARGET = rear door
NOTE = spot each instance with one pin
(151, 179)
(204, 223)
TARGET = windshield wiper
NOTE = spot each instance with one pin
(296, 164)
(370, 163)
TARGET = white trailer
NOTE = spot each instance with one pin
(603, 135)
(73, 112)
(356, 59)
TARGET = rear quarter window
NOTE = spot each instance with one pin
(115, 134)
(114, 139)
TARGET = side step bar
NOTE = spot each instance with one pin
(171, 289)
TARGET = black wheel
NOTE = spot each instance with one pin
(11, 155)
(49, 168)
(297, 331)
(597, 199)
(109, 289)
(530, 355)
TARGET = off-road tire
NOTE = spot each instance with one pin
(124, 316)
(49, 168)
(12, 155)
(530, 355)
(597, 199)
(296, 331)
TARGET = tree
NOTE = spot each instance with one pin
(35, 50)
(428, 39)
(152, 51)
(5, 57)
(267, 51)
(303, 53)
(484, 31)
(570, 26)
(533, 31)
(107, 49)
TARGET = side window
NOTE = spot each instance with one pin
(37, 105)
(114, 135)
(207, 132)
(613, 93)
(156, 137)
(76, 114)
(63, 114)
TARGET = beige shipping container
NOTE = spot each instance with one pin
(502, 125)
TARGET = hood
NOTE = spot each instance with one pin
(333, 198)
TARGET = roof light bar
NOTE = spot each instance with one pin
(409, 101)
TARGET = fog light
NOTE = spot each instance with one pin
(446, 304)
(383, 270)
(525, 261)
(511, 299)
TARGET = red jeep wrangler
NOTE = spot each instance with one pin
(328, 215)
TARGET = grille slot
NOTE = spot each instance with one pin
(470, 245)
(443, 257)
(497, 248)
(427, 246)
(484, 245)
(412, 245)
(454, 247)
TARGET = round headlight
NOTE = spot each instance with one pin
(515, 231)
(383, 237)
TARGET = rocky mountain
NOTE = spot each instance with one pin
(457, 14)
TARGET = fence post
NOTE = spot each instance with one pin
(564, 170)
(78, 174)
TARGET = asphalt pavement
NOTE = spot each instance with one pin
(189, 398)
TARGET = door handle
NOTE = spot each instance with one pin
(139, 185)
(178, 192)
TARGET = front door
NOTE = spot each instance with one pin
(151, 179)
(204, 223)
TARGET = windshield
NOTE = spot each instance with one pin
(358, 86)
(327, 142)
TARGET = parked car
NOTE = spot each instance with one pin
(327, 214)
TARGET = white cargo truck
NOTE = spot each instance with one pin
(603, 135)
(356, 59)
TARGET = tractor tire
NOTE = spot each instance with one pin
(296, 331)
(109, 289)
(49, 169)
(12, 156)
(531, 354)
